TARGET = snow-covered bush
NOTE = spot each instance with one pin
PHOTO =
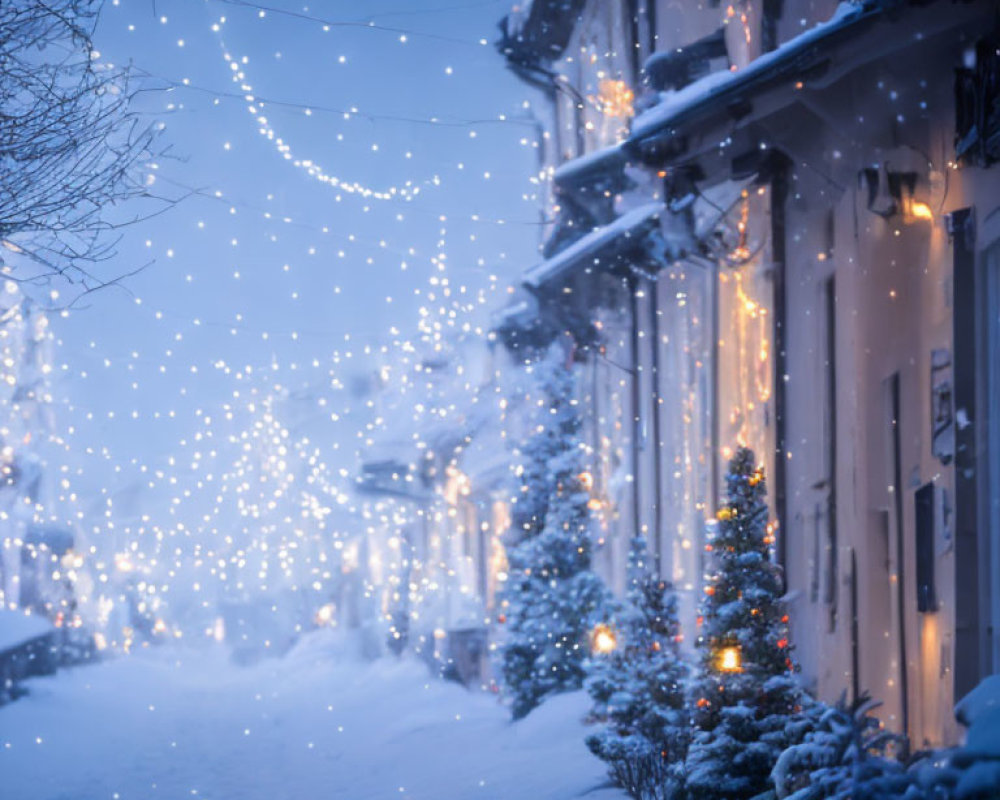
(844, 754)
(971, 771)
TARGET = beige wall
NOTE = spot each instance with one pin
(893, 309)
(609, 409)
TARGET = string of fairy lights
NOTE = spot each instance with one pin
(238, 67)
(249, 501)
(246, 503)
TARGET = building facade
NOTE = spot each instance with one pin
(788, 238)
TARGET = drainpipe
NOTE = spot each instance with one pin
(779, 197)
(632, 283)
(654, 333)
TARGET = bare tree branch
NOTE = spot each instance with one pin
(71, 148)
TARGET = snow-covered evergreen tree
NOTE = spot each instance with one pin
(551, 595)
(745, 695)
(639, 691)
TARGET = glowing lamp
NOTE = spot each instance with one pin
(915, 210)
(729, 660)
(603, 639)
(325, 614)
(586, 480)
(124, 563)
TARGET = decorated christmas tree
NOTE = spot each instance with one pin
(745, 696)
(552, 595)
(637, 679)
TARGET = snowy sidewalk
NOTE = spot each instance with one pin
(316, 725)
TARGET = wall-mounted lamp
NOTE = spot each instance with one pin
(892, 193)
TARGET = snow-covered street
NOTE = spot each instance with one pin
(458, 399)
(318, 723)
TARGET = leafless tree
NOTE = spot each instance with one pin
(71, 146)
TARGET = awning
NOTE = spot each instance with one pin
(703, 115)
(520, 314)
(602, 244)
(600, 166)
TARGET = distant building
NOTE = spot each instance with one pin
(42, 588)
(434, 491)
(29, 646)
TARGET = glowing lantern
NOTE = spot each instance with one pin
(914, 210)
(325, 614)
(586, 480)
(603, 639)
(729, 660)
(124, 563)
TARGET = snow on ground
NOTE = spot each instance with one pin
(319, 723)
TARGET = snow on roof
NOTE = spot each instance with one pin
(589, 247)
(17, 628)
(519, 313)
(720, 85)
(605, 159)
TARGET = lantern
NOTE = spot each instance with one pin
(729, 660)
(325, 615)
(603, 639)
